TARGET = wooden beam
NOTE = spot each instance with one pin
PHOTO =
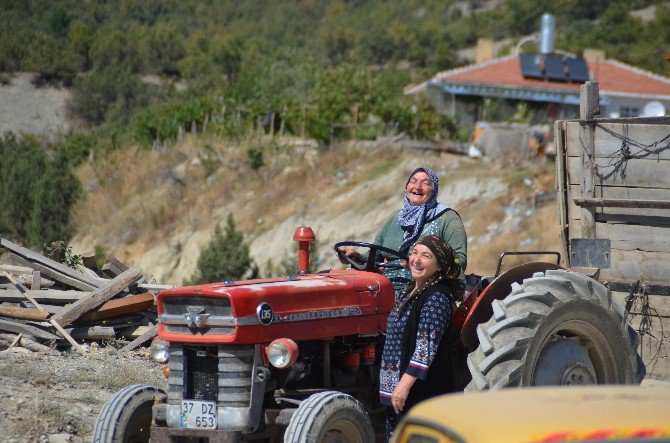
(22, 328)
(24, 313)
(589, 107)
(44, 295)
(28, 344)
(62, 278)
(148, 335)
(84, 305)
(121, 306)
(53, 322)
(16, 269)
(92, 332)
(622, 203)
(37, 280)
(46, 262)
(16, 340)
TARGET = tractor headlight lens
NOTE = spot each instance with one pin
(282, 353)
(159, 350)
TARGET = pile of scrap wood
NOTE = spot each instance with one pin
(45, 304)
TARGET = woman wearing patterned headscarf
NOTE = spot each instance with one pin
(417, 362)
(420, 215)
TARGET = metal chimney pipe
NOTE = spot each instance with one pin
(547, 31)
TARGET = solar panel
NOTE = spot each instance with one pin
(553, 68)
(531, 65)
(578, 71)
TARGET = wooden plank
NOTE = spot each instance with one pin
(631, 266)
(84, 305)
(562, 189)
(23, 313)
(15, 341)
(46, 262)
(53, 322)
(37, 280)
(43, 295)
(589, 107)
(62, 278)
(16, 269)
(134, 331)
(22, 328)
(92, 332)
(148, 335)
(113, 267)
(635, 237)
(29, 344)
(621, 203)
(618, 192)
(646, 140)
(121, 306)
(639, 173)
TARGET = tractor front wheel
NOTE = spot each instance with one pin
(126, 416)
(556, 328)
(330, 417)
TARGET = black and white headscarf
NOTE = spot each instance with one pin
(412, 218)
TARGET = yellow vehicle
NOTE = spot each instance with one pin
(552, 414)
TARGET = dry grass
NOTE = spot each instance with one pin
(139, 198)
(512, 223)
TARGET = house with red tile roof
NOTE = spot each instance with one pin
(625, 91)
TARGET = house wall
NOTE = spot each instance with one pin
(619, 106)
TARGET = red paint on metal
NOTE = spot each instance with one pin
(303, 235)
(499, 288)
(351, 360)
(337, 289)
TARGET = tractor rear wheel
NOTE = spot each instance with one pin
(330, 417)
(126, 416)
(556, 328)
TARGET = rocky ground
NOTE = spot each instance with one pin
(46, 398)
(57, 398)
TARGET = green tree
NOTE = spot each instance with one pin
(37, 193)
(96, 92)
(226, 257)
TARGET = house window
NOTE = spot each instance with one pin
(629, 111)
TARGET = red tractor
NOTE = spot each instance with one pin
(297, 357)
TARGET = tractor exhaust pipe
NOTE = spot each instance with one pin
(303, 235)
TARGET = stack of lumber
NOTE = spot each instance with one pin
(45, 304)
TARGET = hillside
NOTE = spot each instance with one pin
(158, 209)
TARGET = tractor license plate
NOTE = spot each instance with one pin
(198, 414)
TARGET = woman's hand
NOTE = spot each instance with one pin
(349, 253)
(401, 391)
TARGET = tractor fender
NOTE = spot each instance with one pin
(480, 309)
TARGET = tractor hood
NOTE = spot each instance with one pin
(315, 306)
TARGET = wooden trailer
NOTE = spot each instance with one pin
(613, 179)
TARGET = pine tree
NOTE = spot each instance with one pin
(225, 258)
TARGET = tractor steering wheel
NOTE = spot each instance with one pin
(370, 265)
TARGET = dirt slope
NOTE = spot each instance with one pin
(157, 209)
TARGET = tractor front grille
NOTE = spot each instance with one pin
(215, 373)
(218, 310)
(201, 373)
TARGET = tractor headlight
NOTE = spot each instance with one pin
(282, 353)
(159, 350)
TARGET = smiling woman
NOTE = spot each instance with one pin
(417, 362)
(421, 215)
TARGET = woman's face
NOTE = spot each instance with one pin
(419, 188)
(422, 263)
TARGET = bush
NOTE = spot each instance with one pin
(225, 258)
(163, 122)
(99, 90)
(37, 193)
